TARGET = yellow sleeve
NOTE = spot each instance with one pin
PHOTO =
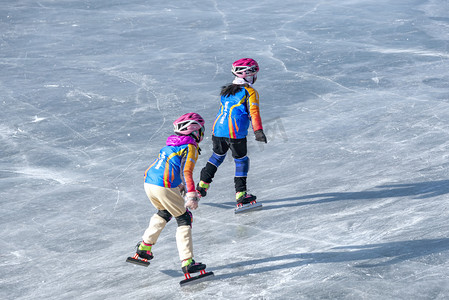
(253, 103)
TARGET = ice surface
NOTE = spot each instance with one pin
(354, 180)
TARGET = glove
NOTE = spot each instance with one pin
(192, 199)
(260, 136)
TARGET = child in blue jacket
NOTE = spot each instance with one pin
(239, 107)
(167, 178)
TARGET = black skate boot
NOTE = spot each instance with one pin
(144, 250)
(246, 202)
(190, 266)
(244, 198)
(142, 256)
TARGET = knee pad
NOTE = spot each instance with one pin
(185, 219)
(241, 166)
(216, 159)
(164, 214)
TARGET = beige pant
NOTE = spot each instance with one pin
(169, 199)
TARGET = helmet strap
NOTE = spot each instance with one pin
(253, 79)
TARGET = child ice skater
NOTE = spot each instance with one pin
(166, 179)
(239, 107)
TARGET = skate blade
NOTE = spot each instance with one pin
(138, 261)
(196, 279)
(248, 207)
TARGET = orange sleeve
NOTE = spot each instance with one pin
(253, 105)
(191, 158)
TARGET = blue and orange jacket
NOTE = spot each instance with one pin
(174, 164)
(236, 112)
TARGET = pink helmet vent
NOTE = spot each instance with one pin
(245, 67)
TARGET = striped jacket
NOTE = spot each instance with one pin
(174, 164)
(236, 112)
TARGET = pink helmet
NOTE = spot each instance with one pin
(190, 124)
(245, 67)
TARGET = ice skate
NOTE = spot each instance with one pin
(246, 202)
(190, 266)
(144, 250)
(244, 198)
(142, 256)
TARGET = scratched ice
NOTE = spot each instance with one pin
(354, 180)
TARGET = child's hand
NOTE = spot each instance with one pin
(192, 199)
(260, 136)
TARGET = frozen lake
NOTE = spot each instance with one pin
(354, 179)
